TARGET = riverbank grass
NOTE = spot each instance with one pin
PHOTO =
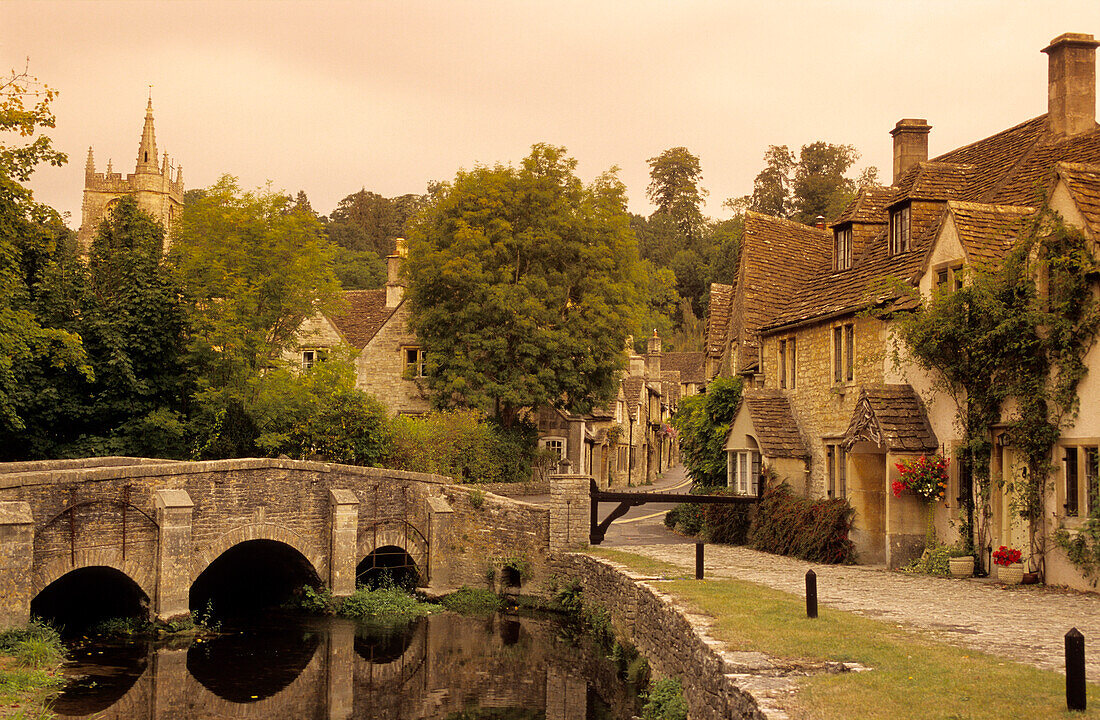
(912, 677)
(29, 658)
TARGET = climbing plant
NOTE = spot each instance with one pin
(1021, 331)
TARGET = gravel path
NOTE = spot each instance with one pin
(1024, 622)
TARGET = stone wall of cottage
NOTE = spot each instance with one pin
(380, 367)
(315, 333)
(821, 407)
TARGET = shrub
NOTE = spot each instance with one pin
(461, 444)
(665, 701)
(471, 601)
(814, 530)
(934, 561)
(383, 602)
(727, 524)
(37, 645)
(703, 421)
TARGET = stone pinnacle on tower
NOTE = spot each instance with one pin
(147, 151)
(89, 167)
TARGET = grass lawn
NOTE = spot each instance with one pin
(913, 677)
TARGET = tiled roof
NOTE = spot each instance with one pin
(718, 318)
(776, 257)
(692, 366)
(934, 181)
(774, 424)
(987, 232)
(1083, 182)
(1028, 182)
(365, 315)
(670, 386)
(632, 391)
(891, 416)
(868, 206)
(995, 156)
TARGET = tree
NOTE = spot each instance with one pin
(367, 221)
(251, 270)
(28, 237)
(816, 184)
(521, 287)
(674, 189)
(359, 270)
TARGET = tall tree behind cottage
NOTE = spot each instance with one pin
(522, 286)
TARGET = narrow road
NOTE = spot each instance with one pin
(644, 524)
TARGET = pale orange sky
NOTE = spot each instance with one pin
(333, 97)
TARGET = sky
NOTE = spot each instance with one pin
(333, 97)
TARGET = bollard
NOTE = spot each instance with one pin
(698, 561)
(811, 594)
(1075, 670)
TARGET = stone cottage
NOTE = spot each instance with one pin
(855, 407)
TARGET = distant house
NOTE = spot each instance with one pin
(389, 361)
(837, 406)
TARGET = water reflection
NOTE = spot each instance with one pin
(444, 666)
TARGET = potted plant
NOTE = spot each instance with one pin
(961, 562)
(1009, 568)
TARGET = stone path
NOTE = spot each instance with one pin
(1024, 622)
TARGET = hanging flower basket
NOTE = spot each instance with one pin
(924, 476)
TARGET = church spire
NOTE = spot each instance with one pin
(147, 151)
(89, 167)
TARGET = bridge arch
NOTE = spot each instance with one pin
(399, 534)
(257, 531)
(80, 598)
(52, 570)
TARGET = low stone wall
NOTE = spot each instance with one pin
(516, 489)
(673, 646)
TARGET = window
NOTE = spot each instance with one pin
(623, 458)
(554, 444)
(844, 347)
(1081, 480)
(787, 363)
(949, 277)
(836, 469)
(743, 472)
(842, 249)
(899, 230)
(309, 357)
(782, 363)
(414, 362)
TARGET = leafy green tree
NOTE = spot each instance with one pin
(29, 234)
(250, 269)
(366, 221)
(658, 301)
(359, 269)
(703, 422)
(814, 184)
(521, 287)
(674, 188)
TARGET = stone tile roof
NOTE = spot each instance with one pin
(995, 156)
(988, 232)
(772, 419)
(868, 206)
(670, 386)
(633, 385)
(692, 366)
(718, 318)
(891, 416)
(1083, 182)
(934, 181)
(365, 315)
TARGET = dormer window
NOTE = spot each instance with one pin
(899, 230)
(842, 248)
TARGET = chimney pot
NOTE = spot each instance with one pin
(910, 144)
(1071, 83)
(819, 222)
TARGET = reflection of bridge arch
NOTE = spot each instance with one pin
(395, 533)
(257, 531)
(381, 668)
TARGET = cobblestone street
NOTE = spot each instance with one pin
(1023, 622)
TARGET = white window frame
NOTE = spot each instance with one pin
(558, 443)
(743, 471)
(309, 359)
(900, 240)
(842, 248)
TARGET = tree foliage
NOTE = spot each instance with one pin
(521, 286)
(674, 188)
(814, 184)
(366, 221)
(703, 422)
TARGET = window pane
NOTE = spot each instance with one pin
(1092, 470)
(830, 468)
(792, 363)
(755, 488)
(838, 351)
(841, 472)
(743, 475)
(782, 363)
(1071, 482)
(849, 350)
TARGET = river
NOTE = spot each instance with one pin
(445, 666)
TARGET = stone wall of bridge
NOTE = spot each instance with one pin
(163, 523)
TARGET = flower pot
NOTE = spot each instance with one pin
(1010, 574)
(961, 567)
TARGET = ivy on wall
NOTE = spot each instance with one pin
(1021, 331)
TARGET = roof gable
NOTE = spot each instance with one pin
(365, 315)
(1082, 181)
(773, 424)
(893, 417)
(718, 318)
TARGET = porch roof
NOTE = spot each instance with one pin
(774, 423)
(891, 416)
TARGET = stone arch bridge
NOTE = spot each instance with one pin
(161, 523)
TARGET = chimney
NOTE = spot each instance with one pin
(910, 144)
(653, 358)
(1071, 84)
(395, 285)
(819, 222)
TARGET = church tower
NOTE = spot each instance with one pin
(157, 187)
